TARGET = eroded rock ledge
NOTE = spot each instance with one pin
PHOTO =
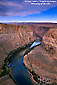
(14, 36)
(42, 60)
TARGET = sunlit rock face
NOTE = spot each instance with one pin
(18, 35)
(50, 41)
(43, 59)
(14, 36)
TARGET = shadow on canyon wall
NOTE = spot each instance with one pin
(44, 56)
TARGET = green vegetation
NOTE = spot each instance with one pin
(22, 26)
(4, 71)
(33, 73)
(4, 67)
(27, 51)
(35, 78)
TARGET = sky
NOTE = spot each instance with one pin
(28, 11)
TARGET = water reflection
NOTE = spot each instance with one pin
(35, 43)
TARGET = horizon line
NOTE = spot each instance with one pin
(28, 21)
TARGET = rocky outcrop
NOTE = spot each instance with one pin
(50, 41)
(5, 80)
(42, 60)
(14, 36)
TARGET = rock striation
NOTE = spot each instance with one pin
(50, 41)
(42, 60)
(14, 36)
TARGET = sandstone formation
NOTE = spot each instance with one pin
(42, 60)
(5, 80)
(14, 36)
(50, 42)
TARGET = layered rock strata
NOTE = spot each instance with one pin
(42, 60)
(14, 36)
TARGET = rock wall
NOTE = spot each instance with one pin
(50, 41)
(42, 60)
(14, 36)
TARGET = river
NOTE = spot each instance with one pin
(18, 70)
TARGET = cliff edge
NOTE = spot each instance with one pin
(14, 36)
(42, 60)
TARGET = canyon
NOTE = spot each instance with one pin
(42, 59)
